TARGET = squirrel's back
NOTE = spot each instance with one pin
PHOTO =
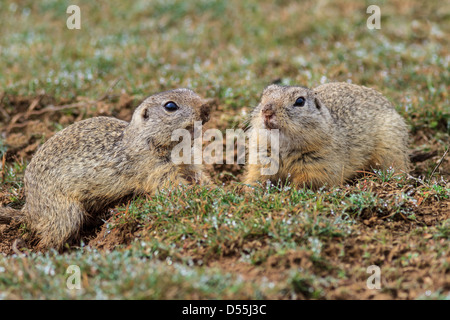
(368, 122)
(77, 154)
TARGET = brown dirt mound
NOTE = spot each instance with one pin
(11, 239)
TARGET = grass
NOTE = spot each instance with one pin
(130, 275)
(221, 243)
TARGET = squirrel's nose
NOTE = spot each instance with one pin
(268, 111)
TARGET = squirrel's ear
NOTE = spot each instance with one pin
(145, 114)
(318, 103)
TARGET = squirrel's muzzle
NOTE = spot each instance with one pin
(268, 115)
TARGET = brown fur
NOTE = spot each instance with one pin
(92, 164)
(342, 129)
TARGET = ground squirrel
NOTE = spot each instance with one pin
(328, 134)
(92, 164)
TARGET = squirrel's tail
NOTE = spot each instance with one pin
(8, 214)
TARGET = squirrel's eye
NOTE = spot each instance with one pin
(300, 102)
(171, 106)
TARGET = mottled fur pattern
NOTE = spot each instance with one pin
(83, 169)
(342, 129)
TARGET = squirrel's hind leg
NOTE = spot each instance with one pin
(62, 224)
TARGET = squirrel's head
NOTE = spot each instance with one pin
(159, 115)
(295, 111)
